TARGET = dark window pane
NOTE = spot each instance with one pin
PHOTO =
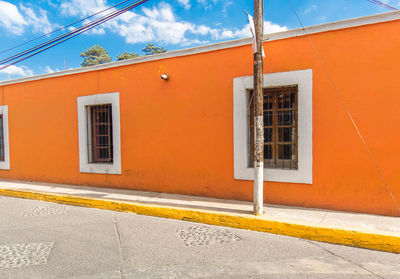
(1, 139)
(281, 101)
(268, 118)
(286, 118)
(286, 134)
(268, 135)
(268, 104)
(103, 153)
(268, 99)
(280, 130)
(101, 133)
(286, 152)
(102, 140)
(102, 129)
(268, 152)
(293, 99)
(286, 99)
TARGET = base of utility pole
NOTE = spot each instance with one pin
(258, 207)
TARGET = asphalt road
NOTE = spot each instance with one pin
(46, 240)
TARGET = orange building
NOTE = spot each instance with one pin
(120, 125)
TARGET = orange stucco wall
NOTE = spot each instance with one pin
(177, 136)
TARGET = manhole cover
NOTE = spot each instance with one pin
(46, 210)
(19, 255)
(202, 235)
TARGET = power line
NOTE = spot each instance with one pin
(346, 109)
(92, 23)
(69, 35)
(61, 28)
(382, 4)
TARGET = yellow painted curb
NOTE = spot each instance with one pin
(337, 236)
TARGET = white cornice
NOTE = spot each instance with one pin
(337, 25)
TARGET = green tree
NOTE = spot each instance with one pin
(151, 49)
(127, 55)
(94, 56)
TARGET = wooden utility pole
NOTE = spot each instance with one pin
(258, 109)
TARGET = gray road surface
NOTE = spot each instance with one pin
(46, 240)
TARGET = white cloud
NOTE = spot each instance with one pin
(207, 4)
(185, 3)
(160, 24)
(269, 28)
(225, 9)
(17, 19)
(162, 13)
(310, 9)
(188, 42)
(82, 7)
(40, 23)
(11, 18)
(93, 31)
(202, 30)
(51, 4)
(49, 70)
(13, 70)
(96, 31)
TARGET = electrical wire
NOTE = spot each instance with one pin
(92, 23)
(49, 44)
(382, 4)
(64, 27)
(346, 109)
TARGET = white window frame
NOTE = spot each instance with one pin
(84, 136)
(5, 165)
(241, 89)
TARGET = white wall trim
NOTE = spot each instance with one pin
(5, 165)
(241, 85)
(98, 99)
(337, 25)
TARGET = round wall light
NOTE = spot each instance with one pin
(165, 77)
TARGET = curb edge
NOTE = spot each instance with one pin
(352, 238)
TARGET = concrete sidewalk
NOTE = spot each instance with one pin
(352, 229)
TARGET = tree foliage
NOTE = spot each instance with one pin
(127, 55)
(94, 56)
(151, 49)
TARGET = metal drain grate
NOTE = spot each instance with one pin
(202, 235)
(19, 255)
(45, 211)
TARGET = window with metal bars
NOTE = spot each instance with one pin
(1, 139)
(280, 127)
(101, 134)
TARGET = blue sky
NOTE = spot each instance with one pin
(173, 24)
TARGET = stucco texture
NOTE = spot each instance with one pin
(177, 135)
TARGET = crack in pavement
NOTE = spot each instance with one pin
(120, 245)
(342, 258)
